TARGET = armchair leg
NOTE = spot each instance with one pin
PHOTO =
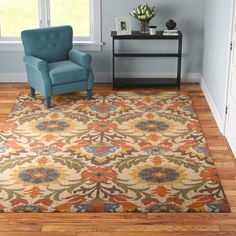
(32, 92)
(48, 102)
(89, 94)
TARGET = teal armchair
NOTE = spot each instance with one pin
(52, 66)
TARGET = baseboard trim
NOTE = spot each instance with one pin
(231, 140)
(13, 77)
(105, 77)
(102, 77)
(212, 105)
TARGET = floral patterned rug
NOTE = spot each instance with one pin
(121, 152)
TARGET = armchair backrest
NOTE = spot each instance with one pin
(50, 44)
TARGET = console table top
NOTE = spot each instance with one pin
(138, 35)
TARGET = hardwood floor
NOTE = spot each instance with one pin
(161, 224)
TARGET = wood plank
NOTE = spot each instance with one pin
(156, 234)
(86, 222)
(129, 228)
(21, 227)
(228, 228)
(17, 233)
(213, 221)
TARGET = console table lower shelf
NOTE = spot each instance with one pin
(144, 82)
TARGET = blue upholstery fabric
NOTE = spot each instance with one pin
(52, 66)
(50, 44)
(80, 58)
(58, 89)
(66, 72)
(35, 62)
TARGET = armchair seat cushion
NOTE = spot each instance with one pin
(64, 72)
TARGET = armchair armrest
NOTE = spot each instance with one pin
(41, 67)
(35, 62)
(80, 58)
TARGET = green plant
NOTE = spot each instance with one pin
(144, 12)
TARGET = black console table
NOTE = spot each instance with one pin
(141, 82)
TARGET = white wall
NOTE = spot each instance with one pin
(187, 13)
(217, 29)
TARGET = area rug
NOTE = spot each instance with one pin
(121, 152)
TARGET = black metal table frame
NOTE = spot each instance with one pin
(147, 81)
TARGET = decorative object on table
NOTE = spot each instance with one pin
(171, 32)
(171, 25)
(123, 26)
(152, 30)
(108, 155)
(144, 13)
(171, 29)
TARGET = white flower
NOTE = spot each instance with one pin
(144, 12)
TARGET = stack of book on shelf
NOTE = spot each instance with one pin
(171, 32)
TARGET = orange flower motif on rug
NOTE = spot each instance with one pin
(121, 152)
(99, 175)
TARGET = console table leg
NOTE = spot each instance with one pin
(179, 63)
(113, 63)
